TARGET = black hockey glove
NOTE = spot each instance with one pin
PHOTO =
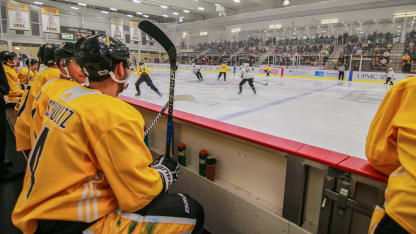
(168, 169)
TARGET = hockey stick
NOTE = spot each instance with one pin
(184, 97)
(153, 31)
(28, 65)
(265, 84)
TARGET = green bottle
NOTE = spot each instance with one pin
(202, 162)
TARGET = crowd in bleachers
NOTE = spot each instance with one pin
(409, 55)
(373, 50)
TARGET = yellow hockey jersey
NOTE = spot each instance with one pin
(24, 114)
(40, 105)
(15, 90)
(141, 70)
(391, 149)
(22, 74)
(267, 68)
(89, 159)
(223, 68)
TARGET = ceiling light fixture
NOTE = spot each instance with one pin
(164, 7)
(404, 14)
(186, 11)
(75, 8)
(129, 16)
(175, 13)
(237, 1)
(165, 16)
(104, 12)
(139, 13)
(235, 30)
(217, 5)
(82, 4)
(330, 21)
(201, 8)
(145, 16)
(286, 2)
(275, 26)
(113, 9)
(137, 1)
(203, 33)
(38, 3)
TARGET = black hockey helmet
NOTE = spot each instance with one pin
(46, 54)
(34, 61)
(6, 55)
(79, 42)
(98, 56)
(64, 51)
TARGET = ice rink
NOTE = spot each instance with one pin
(324, 113)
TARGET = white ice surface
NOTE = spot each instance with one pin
(329, 114)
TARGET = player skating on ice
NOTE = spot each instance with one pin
(390, 77)
(247, 75)
(144, 76)
(197, 71)
(223, 71)
(267, 70)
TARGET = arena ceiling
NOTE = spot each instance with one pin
(173, 10)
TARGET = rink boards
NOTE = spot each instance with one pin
(264, 183)
(300, 72)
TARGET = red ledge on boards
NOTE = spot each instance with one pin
(331, 158)
(361, 167)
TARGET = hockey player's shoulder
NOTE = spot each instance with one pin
(407, 83)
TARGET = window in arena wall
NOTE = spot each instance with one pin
(35, 29)
(3, 19)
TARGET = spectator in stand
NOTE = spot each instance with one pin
(406, 62)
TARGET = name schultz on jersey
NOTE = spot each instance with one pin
(58, 113)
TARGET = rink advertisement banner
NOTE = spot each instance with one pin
(18, 15)
(117, 29)
(135, 33)
(369, 76)
(50, 20)
(378, 76)
(309, 73)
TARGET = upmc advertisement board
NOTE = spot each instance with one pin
(369, 76)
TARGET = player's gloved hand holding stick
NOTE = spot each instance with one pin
(168, 169)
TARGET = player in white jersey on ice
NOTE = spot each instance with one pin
(247, 74)
(390, 77)
(197, 71)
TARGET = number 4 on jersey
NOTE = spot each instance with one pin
(35, 156)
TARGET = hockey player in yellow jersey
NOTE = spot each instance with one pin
(391, 150)
(90, 169)
(22, 74)
(267, 70)
(24, 115)
(73, 76)
(10, 61)
(223, 71)
(143, 75)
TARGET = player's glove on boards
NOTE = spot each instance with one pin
(168, 169)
